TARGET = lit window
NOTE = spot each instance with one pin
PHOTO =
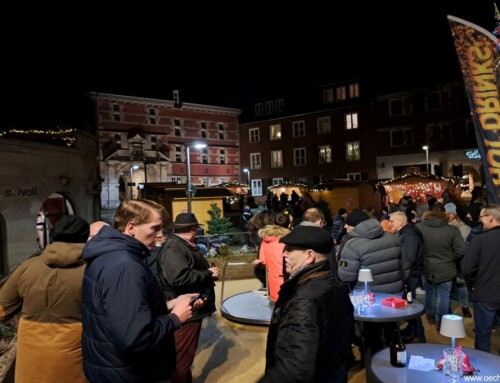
(324, 154)
(276, 159)
(255, 161)
(275, 131)
(351, 121)
(352, 152)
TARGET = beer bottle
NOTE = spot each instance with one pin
(398, 351)
(407, 296)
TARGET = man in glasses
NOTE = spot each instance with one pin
(481, 263)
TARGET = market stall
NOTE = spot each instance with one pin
(415, 185)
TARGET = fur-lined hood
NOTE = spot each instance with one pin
(273, 231)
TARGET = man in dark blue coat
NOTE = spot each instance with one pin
(311, 326)
(128, 334)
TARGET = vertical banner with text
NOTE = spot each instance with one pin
(476, 50)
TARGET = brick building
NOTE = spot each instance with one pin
(144, 140)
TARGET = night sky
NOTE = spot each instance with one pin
(53, 55)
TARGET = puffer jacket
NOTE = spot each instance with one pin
(49, 288)
(271, 255)
(310, 332)
(128, 335)
(372, 248)
(443, 247)
(183, 269)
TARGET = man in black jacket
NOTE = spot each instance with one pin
(481, 263)
(311, 326)
(183, 268)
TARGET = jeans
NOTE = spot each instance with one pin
(415, 324)
(440, 292)
(462, 292)
(484, 319)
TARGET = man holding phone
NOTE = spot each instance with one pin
(183, 268)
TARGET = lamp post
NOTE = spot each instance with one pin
(189, 190)
(247, 171)
(426, 148)
(132, 168)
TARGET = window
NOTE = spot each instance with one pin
(323, 124)
(340, 93)
(279, 105)
(354, 176)
(299, 156)
(351, 121)
(325, 154)
(269, 105)
(437, 100)
(276, 159)
(153, 142)
(118, 141)
(401, 136)
(152, 116)
(204, 155)
(221, 132)
(299, 129)
(277, 181)
(256, 187)
(177, 127)
(254, 135)
(176, 179)
(435, 131)
(400, 106)
(178, 151)
(275, 132)
(222, 156)
(254, 160)
(354, 90)
(259, 109)
(203, 129)
(328, 96)
(116, 112)
(352, 152)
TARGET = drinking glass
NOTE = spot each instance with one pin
(358, 295)
(453, 364)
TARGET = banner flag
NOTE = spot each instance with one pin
(477, 55)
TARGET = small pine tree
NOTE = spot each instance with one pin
(219, 224)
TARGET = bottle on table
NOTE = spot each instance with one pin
(407, 296)
(398, 350)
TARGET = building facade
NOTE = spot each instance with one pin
(329, 136)
(145, 140)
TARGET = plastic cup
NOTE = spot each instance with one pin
(358, 295)
(453, 364)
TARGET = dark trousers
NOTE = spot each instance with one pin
(415, 325)
(485, 315)
(186, 343)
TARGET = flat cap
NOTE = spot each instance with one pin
(309, 237)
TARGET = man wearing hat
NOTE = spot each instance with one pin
(183, 268)
(48, 287)
(310, 332)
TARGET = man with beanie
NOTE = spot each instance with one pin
(311, 326)
(48, 287)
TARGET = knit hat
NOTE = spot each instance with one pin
(342, 211)
(71, 229)
(309, 237)
(356, 217)
(450, 208)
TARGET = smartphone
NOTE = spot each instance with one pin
(194, 299)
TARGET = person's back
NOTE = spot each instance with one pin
(372, 248)
(49, 288)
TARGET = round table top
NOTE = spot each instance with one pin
(380, 313)
(381, 370)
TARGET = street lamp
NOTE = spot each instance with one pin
(426, 148)
(132, 168)
(247, 171)
(189, 188)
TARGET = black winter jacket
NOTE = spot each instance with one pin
(310, 332)
(128, 335)
(411, 242)
(183, 269)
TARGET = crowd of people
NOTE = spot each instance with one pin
(126, 302)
